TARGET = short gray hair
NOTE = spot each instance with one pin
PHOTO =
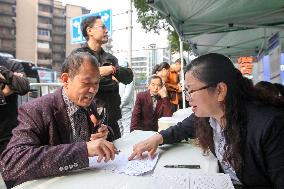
(73, 62)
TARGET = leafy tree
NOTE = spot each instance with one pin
(152, 20)
(174, 42)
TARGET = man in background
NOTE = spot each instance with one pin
(12, 83)
(150, 106)
(96, 34)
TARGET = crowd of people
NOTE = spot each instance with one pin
(240, 123)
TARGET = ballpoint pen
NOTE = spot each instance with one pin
(183, 166)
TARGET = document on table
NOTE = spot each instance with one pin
(120, 164)
(179, 180)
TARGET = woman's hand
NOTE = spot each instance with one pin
(151, 144)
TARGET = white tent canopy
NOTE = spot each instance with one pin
(233, 28)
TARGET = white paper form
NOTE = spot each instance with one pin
(213, 181)
(176, 180)
(120, 164)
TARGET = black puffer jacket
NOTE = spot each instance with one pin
(109, 90)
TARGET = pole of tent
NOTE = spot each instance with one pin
(181, 71)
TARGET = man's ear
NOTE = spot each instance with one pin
(88, 30)
(148, 86)
(65, 78)
(222, 91)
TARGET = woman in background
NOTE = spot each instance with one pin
(162, 70)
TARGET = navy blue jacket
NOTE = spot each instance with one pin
(261, 142)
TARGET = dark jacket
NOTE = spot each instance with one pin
(143, 117)
(109, 89)
(41, 144)
(262, 146)
(8, 112)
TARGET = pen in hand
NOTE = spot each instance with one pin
(98, 125)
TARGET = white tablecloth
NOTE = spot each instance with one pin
(178, 116)
(183, 153)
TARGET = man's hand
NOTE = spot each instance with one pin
(18, 74)
(102, 131)
(163, 92)
(7, 90)
(106, 70)
(151, 144)
(101, 148)
(179, 88)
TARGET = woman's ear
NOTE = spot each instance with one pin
(222, 91)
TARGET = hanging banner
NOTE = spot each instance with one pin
(274, 53)
(246, 66)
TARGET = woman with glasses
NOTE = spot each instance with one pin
(242, 127)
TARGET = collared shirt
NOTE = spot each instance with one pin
(154, 99)
(78, 133)
(219, 143)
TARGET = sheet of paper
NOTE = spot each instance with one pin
(177, 180)
(121, 164)
(169, 181)
(214, 181)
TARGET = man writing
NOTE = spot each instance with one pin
(96, 34)
(54, 131)
(150, 106)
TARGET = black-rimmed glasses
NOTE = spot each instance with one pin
(188, 93)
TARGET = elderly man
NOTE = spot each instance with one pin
(150, 105)
(54, 131)
(96, 34)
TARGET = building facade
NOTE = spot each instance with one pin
(143, 62)
(37, 30)
(8, 26)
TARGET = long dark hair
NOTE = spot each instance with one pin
(215, 68)
(160, 66)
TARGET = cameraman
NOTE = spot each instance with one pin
(12, 83)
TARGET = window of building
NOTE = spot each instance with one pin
(43, 32)
(44, 20)
(44, 8)
(44, 56)
(43, 45)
